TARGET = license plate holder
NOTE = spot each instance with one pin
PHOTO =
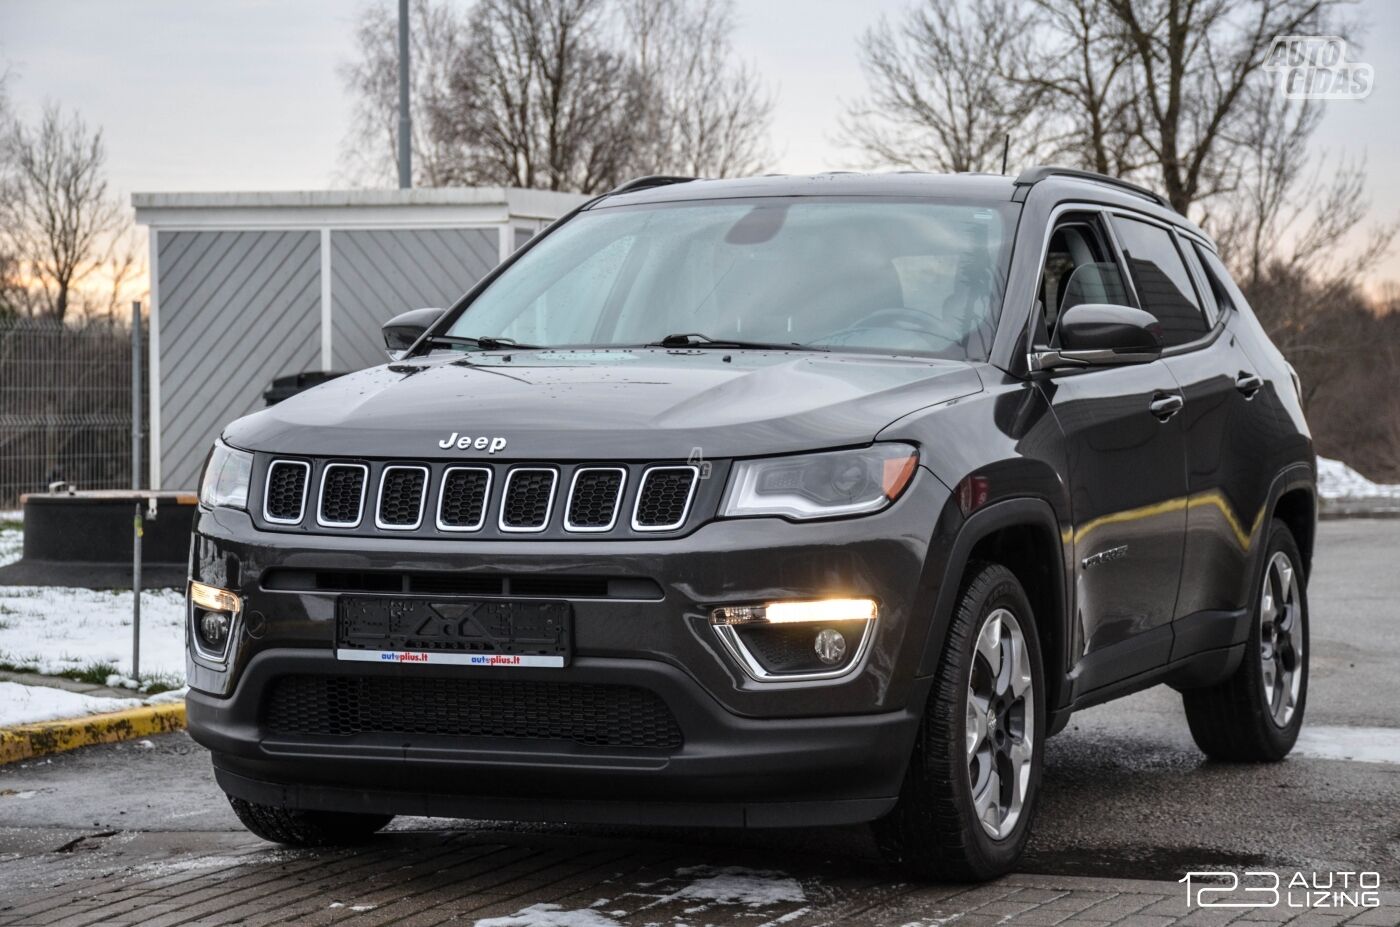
(457, 631)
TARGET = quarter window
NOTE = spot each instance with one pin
(1163, 283)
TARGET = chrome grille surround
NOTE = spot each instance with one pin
(379, 499)
(267, 490)
(572, 496)
(647, 475)
(485, 500)
(321, 495)
(510, 479)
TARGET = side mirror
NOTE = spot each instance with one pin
(404, 329)
(1102, 334)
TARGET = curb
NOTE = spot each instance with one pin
(24, 741)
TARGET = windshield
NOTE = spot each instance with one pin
(898, 277)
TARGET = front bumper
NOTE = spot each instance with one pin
(753, 753)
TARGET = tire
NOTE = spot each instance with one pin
(307, 828)
(935, 831)
(1234, 720)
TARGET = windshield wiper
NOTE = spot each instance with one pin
(697, 340)
(485, 342)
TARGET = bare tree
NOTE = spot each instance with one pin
(1086, 82)
(11, 289)
(56, 215)
(558, 94)
(370, 151)
(705, 116)
(947, 87)
(1193, 61)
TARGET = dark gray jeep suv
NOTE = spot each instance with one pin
(771, 502)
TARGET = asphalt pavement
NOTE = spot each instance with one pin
(138, 833)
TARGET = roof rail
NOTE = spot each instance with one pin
(650, 180)
(1034, 175)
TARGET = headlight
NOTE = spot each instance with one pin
(226, 477)
(824, 485)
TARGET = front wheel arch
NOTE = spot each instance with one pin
(1024, 536)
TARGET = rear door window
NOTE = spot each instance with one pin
(1163, 283)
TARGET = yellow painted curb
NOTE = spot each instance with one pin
(28, 740)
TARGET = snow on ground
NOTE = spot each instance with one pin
(709, 885)
(1335, 480)
(11, 542)
(736, 885)
(550, 915)
(50, 629)
(29, 704)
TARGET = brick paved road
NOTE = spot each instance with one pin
(495, 879)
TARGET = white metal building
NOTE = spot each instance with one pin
(246, 287)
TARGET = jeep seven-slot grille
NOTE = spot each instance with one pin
(591, 715)
(529, 494)
(342, 494)
(362, 496)
(286, 491)
(401, 497)
(594, 498)
(664, 498)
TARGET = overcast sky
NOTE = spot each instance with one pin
(245, 94)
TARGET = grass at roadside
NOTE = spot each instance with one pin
(100, 674)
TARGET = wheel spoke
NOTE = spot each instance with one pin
(976, 723)
(988, 803)
(989, 645)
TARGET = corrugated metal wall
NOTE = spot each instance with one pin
(238, 308)
(376, 274)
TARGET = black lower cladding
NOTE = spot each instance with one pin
(591, 715)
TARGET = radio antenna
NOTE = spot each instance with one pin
(1005, 150)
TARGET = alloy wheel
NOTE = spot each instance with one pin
(1281, 639)
(1000, 726)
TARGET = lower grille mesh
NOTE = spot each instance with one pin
(591, 715)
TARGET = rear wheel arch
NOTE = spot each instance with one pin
(1297, 508)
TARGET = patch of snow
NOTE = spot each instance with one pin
(737, 885)
(50, 629)
(1335, 480)
(11, 544)
(172, 695)
(30, 704)
(118, 681)
(550, 915)
(1360, 744)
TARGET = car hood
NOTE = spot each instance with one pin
(616, 405)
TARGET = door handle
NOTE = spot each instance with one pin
(1249, 384)
(1165, 405)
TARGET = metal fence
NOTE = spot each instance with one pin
(65, 406)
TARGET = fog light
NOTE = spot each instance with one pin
(214, 599)
(815, 610)
(830, 646)
(213, 627)
(212, 614)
